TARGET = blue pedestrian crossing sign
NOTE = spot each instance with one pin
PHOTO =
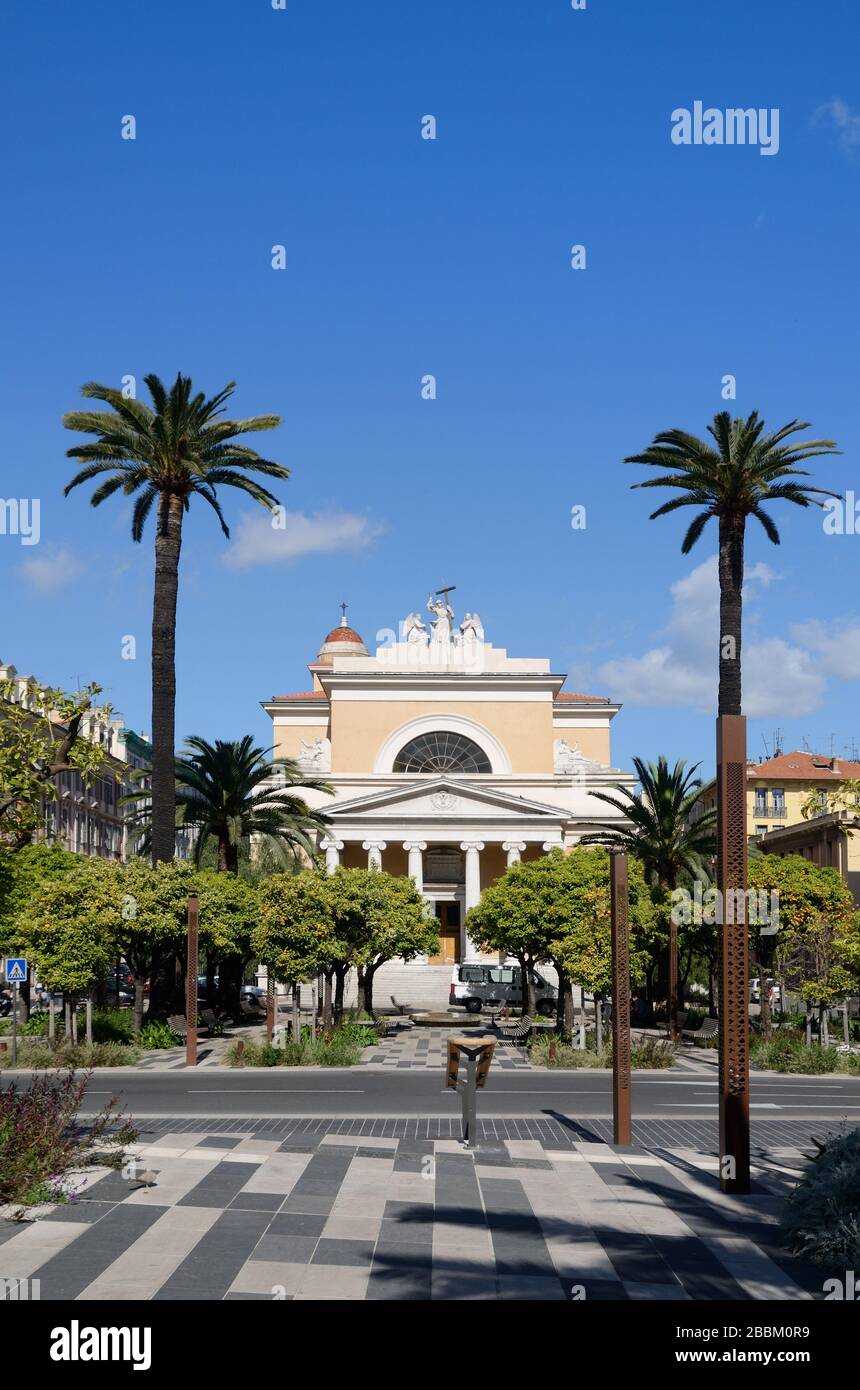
(16, 970)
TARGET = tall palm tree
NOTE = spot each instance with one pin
(746, 471)
(164, 455)
(662, 834)
(226, 793)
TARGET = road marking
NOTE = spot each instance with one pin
(263, 1091)
(704, 1105)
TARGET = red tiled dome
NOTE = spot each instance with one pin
(343, 634)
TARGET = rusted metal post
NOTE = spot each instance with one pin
(270, 1005)
(622, 1128)
(673, 980)
(191, 981)
(734, 954)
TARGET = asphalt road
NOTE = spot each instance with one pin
(334, 1093)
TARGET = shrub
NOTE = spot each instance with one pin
(157, 1033)
(791, 1055)
(650, 1053)
(111, 1025)
(40, 1058)
(40, 1140)
(330, 1050)
(821, 1218)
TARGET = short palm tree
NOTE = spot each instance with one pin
(662, 833)
(164, 455)
(229, 792)
(746, 471)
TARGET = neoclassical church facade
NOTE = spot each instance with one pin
(449, 759)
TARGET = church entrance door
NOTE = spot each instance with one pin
(448, 915)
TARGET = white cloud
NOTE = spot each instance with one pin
(836, 646)
(778, 678)
(258, 542)
(838, 114)
(48, 570)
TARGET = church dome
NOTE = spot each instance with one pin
(343, 640)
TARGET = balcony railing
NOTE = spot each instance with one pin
(770, 810)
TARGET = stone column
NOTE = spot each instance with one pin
(513, 849)
(552, 844)
(332, 853)
(472, 850)
(415, 849)
(374, 852)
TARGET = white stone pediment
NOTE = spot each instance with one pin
(440, 798)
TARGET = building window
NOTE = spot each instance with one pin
(761, 801)
(761, 830)
(441, 752)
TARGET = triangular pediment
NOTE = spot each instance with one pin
(440, 797)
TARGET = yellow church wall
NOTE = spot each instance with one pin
(287, 739)
(494, 862)
(523, 727)
(594, 743)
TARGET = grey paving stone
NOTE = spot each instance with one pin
(330, 1251)
(397, 1285)
(218, 1187)
(316, 1187)
(258, 1201)
(80, 1211)
(210, 1268)
(113, 1187)
(295, 1223)
(403, 1254)
(219, 1141)
(256, 1297)
(307, 1202)
(68, 1272)
(291, 1250)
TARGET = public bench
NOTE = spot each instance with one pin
(401, 1008)
(519, 1031)
(178, 1023)
(708, 1028)
(385, 1025)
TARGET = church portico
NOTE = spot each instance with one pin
(447, 770)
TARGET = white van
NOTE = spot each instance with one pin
(474, 984)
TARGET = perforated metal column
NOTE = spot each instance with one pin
(734, 954)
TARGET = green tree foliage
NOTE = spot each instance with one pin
(130, 910)
(360, 918)
(672, 845)
(22, 874)
(38, 741)
(818, 943)
(557, 909)
(747, 471)
(228, 792)
(295, 936)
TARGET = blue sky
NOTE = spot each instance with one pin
(407, 256)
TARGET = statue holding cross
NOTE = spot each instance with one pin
(444, 615)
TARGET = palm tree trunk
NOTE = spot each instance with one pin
(168, 541)
(731, 575)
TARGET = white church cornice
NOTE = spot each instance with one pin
(443, 795)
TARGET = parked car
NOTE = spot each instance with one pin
(755, 991)
(473, 985)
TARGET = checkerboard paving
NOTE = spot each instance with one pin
(328, 1215)
(427, 1048)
